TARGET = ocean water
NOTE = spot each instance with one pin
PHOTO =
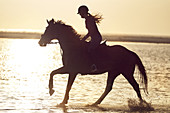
(24, 76)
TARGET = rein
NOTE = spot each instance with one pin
(61, 52)
(53, 43)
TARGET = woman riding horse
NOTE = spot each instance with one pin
(116, 60)
(93, 32)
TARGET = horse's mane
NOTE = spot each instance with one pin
(68, 29)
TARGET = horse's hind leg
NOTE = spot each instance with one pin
(110, 80)
(129, 76)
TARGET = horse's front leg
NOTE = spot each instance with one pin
(61, 70)
(71, 79)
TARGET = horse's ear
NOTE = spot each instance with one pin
(48, 22)
(52, 20)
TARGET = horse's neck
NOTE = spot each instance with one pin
(68, 44)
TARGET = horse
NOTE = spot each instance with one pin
(114, 60)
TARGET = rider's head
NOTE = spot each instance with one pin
(83, 11)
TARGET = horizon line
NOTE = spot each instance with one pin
(103, 34)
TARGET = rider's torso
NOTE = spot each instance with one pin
(93, 30)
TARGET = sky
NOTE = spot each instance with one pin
(142, 17)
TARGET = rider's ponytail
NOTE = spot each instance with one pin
(97, 18)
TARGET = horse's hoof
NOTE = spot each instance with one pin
(51, 92)
(61, 105)
(92, 105)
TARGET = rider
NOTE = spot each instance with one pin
(93, 32)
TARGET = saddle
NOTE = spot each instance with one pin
(102, 45)
(101, 49)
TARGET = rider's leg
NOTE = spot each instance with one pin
(91, 51)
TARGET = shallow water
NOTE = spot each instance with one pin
(24, 75)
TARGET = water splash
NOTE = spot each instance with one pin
(135, 105)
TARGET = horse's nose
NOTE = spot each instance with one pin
(40, 43)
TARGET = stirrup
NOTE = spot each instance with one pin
(93, 68)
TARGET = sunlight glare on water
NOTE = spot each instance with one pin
(23, 65)
(25, 54)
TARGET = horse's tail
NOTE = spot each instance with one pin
(142, 73)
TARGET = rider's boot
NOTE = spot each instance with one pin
(93, 68)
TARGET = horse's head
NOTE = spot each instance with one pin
(60, 31)
(49, 34)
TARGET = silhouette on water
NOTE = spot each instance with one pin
(115, 60)
(133, 106)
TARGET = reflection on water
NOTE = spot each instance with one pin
(25, 69)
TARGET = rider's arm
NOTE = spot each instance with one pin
(85, 37)
(91, 27)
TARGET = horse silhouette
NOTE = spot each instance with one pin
(115, 60)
